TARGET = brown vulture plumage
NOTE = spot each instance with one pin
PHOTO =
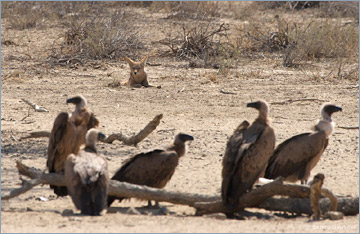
(246, 155)
(297, 156)
(154, 168)
(66, 136)
(86, 176)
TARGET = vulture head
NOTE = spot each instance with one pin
(184, 137)
(327, 110)
(79, 101)
(179, 143)
(262, 107)
(93, 136)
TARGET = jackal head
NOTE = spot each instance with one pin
(136, 68)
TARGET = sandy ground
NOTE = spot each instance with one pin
(191, 103)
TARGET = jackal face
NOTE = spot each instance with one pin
(136, 68)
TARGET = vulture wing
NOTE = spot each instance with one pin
(231, 157)
(293, 155)
(255, 155)
(153, 169)
(56, 138)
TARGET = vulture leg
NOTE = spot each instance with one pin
(156, 206)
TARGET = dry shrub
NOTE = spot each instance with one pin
(188, 9)
(340, 9)
(24, 15)
(204, 45)
(290, 5)
(99, 37)
(256, 37)
(21, 15)
(322, 39)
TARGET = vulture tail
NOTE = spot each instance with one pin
(59, 190)
(111, 199)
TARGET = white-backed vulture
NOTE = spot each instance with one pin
(297, 156)
(86, 176)
(66, 136)
(154, 168)
(247, 153)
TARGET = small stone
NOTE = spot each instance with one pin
(67, 212)
(75, 219)
(43, 199)
(29, 209)
(132, 211)
(334, 215)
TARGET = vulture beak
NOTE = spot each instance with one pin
(101, 136)
(330, 109)
(184, 137)
(75, 100)
(255, 105)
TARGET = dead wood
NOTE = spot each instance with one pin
(297, 201)
(133, 140)
(226, 92)
(33, 105)
(346, 205)
(348, 128)
(37, 135)
(297, 100)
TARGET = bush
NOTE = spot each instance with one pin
(188, 9)
(100, 37)
(21, 15)
(203, 45)
(322, 39)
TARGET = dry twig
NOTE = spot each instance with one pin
(297, 100)
(33, 105)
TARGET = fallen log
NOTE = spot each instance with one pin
(346, 205)
(133, 140)
(260, 197)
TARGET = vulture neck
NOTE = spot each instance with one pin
(90, 147)
(325, 124)
(179, 147)
(262, 118)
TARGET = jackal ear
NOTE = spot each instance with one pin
(143, 60)
(129, 61)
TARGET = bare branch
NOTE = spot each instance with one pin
(33, 105)
(37, 135)
(133, 140)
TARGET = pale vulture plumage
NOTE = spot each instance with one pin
(86, 176)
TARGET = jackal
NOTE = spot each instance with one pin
(138, 77)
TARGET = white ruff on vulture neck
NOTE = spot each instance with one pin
(325, 124)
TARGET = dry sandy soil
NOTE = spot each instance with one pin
(191, 103)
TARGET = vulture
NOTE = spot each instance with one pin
(247, 153)
(86, 176)
(154, 168)
(294, 158)
(66, 136)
